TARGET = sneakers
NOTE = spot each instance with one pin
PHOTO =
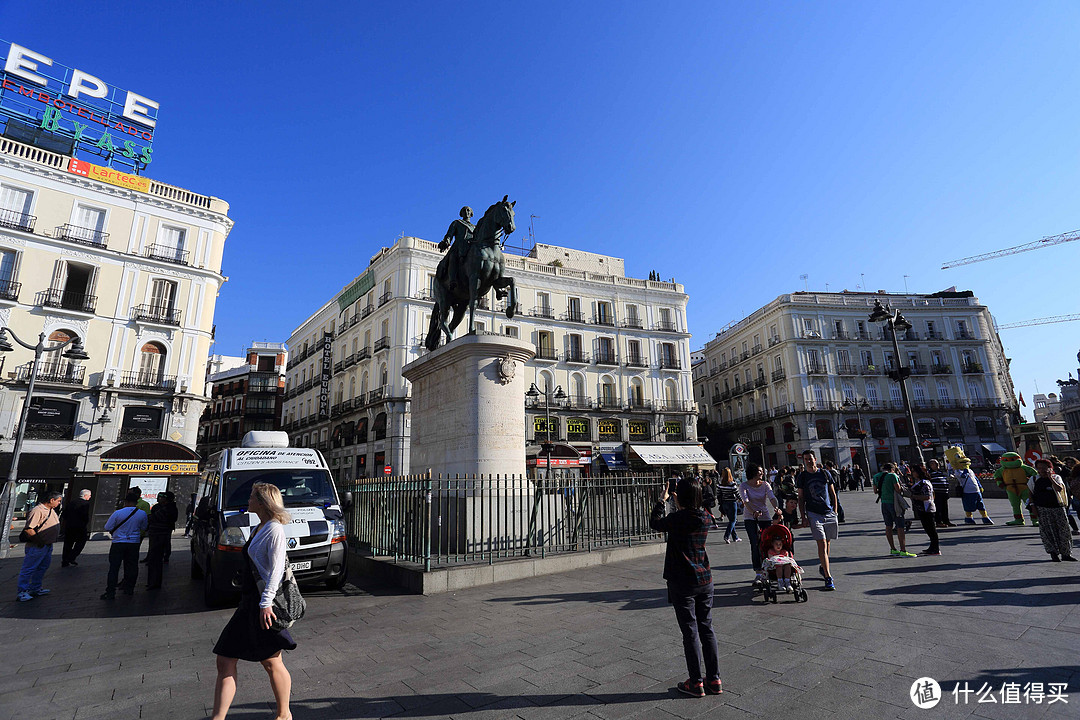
(829, 584)
(905, 553)
(895, 553)
(738, 539)
(987, 521)
(40, 591)
(786, 586)
(24, 597)
(1018, 521)
(714, 687)
(727, 541)
(693, 689)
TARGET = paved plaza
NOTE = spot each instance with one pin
(594, 643)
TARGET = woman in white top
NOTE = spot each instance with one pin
(248, 635)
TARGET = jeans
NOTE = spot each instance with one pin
(728, 508)
(694, 613)
(128, 555)
(35, 562)
(753, 536)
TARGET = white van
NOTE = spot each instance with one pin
(316, 542)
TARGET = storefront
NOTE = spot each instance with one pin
(39, 474)
(610, 458)
(152, 465)
(670, 456)
(566, 462)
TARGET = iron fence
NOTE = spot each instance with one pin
(436, 522)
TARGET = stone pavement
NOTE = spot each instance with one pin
(594, 643)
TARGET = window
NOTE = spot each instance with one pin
(943, 393)
(744, 347)
(872, 394)
(930, 329)
(974, 394)
(633, 353)
(15, 208)
(574, 348)
(920, 393)
(170, 243)
(632, 316)
(545, 345)
(151, 363)
(162, 296)
(961, 328)
(868, 358)
(894, 394)
(510, 331)
(73, 286)
(9, 272)
(603, 314)
(900, 427)
(788, 432)
(824, 429)
(879, 428)
(849, 392)
(819, 394)
(573, 309)
(984, 426)
(666, 323)
(605, 350)
(543, 305)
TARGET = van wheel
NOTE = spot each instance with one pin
(339, 582)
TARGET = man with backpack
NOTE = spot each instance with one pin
(890, 493)
(127, 526)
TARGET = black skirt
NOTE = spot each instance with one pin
(243, 637)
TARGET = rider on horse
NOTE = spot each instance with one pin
(457, 238)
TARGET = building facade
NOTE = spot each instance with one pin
(617, 347)
(803, 370)
(245, 394)
(134, 274)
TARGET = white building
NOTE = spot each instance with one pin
(780, 378)
(618, 348)
(132, 272)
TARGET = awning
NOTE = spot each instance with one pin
(673, 454)
(614, 461)
(994, 448)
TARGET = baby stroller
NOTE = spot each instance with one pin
(770, 591)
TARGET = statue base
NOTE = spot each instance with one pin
(468, 407)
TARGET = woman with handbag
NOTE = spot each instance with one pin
(250, 635)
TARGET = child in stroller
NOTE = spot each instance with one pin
(777, 548)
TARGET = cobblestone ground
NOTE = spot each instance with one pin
(595, 643)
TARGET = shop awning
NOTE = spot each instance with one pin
(673, 454)
(613, 460)
(994, 448)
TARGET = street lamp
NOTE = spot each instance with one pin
(858, 407)
(75, 352)
(894, 320)
(534, 392)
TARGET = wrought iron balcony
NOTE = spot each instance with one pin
(870, 370)
(132, 434)
(637, 361)
(778, 375)
(934, 335)
(161, 314)
(744, 355)
(65, 373)
(972, 368)
(382, 343)
(546, 353)
(606, 358)
(45, 431)
(81, 235)
(368, 309)
(964, 335)
(542, 312)
(363, 354)
(425, 294)
(17, 221)
(670, 363)
(610, 403)
(579, 402)
(846, 369)
(759, 381)
(577, 356)
(385, 298)
(639, 405)
(816, 369)
(667, 326)
(862, 335)
(940, 369)
(605, 320)
(573, 316)
(165, 253)
(841, 335)
(56, 298)
(774, 340)
(917, 369)
(756, 350)
(9, 289)
(634, 323)
(147, 381)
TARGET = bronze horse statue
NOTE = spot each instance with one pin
(461, 284)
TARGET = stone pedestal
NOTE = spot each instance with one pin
(468, 407)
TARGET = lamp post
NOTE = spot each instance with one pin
(894, 320)
(75, 352)
(534, 392)
(858, 407)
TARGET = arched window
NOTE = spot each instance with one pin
(607, 392)
(920, 393)
(894, 394)
(671, 393)
(352, 386)
(943, 393)
(764, 402)
(872, 394)
(54, 363)
(783, 396)
(545, 380)
(383, 377)
(819, 394)
(364, 384)
(637, 393)
(151, 362)
(974, 393)
(577, 381)
(879, 428)
(824, 429)
(849, 392)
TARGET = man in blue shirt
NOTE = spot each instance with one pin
(127, 526)
(817, 503)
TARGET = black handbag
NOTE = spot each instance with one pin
(289, 605)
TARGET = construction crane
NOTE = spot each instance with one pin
(1039, 321)
(1045, 242)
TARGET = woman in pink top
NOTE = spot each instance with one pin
(757, 495)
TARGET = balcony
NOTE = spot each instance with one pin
(940, 369)
(47, 431)
(363, 354)
(147, 381)
(9, 289)
(816, 369)
(726, 394)
(759, 382)
(339, 366)
(133, 434)
(841, 335)
(870, 370)
(609, 403)
(665, 326)
(964, 335)
(744, 355)
(579, 402)
(425, 294)
(716, 399)
(576, 356)
(542, 312)
(934, 335)
(714, 371)
(62, 373)
(606, 358)
(639, 405)
(774, 341)
(65, 300)
(378, 394)
(573, 316)
(972, 368)
(160, 314)
(385, 298)
(546, 353)
(756, 350)
(82, 236)
(167, 254)
(604, 320)
(633, 324)
(670, 363)
(368, 309)
(778, 375)
(382, 343)
(257, 413)
(862, 335)
(675, 406)
(15, 220)
(637, 361)
(917, 369)
(846, 369)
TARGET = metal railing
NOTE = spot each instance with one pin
(382, 343)
(576, 356)
(542, 312)
(81, 235)
(167, 254)
(437, 522)
(637, 361)
(16, 220)
(147, 381)
(606, 358)
(573, 316)
(546, 353)
(9, 289)
(385, 298)
(670, 363)
(163, 315)
(56, 298)
(46, 431)
(66, 373)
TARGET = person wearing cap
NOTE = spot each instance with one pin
(161, 524)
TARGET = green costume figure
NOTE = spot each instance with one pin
(1013, 476)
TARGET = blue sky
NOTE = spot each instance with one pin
(732, 146)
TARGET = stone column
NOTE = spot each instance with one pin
(468, 407)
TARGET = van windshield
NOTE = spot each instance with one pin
(301, 486)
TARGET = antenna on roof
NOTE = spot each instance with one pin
(806, 285)
(532, 230)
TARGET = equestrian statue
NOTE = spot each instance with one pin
(471, 269)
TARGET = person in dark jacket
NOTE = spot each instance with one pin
(689, 583)
(75, 521)
(162, 522)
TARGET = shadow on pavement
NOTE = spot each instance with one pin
(903, 565)
(445, 704)
(970, 593)
(630, 599)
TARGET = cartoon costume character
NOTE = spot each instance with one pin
(1013, 476)
(970, 488)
